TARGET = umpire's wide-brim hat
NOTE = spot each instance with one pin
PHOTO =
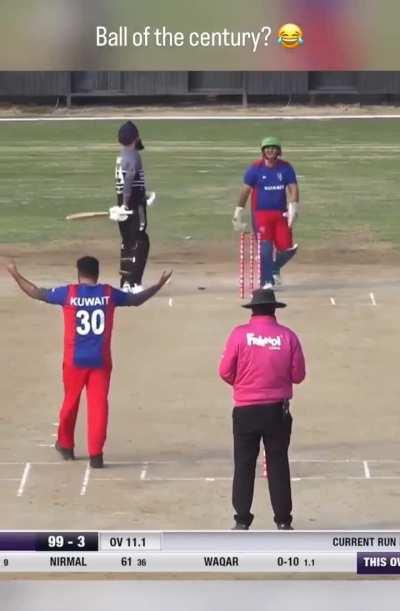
(128, 133)
(264, 297)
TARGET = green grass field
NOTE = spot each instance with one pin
(348, 174)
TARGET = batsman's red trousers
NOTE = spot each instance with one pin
(97, 383)
(273, 226)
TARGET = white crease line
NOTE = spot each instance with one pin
(142, 462)
(189, 117)
(85, 481)
(9, 479)
(326, 478)
(367, 472)
(188, 479)
(24, 479)
(333, 302)
(109, 479)
(54, 423)
(309, 477)
(143, 472)
(222, 479)
(46, 445)
(372, 478)
(109, 462)
(117, 463)
(170, 302)
(325, 460)
(383, 460)
(372, 297)
(40, 464)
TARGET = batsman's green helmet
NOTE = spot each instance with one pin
(271, 141)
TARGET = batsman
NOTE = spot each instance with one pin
(131, 210)
(274, 191)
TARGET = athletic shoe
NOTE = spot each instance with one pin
(126, 287)
(267, 285)
(96, 462)
(66, 453)
(134, 289)
(284, 526)
(137, 288)
(240, 526)
(277, 280)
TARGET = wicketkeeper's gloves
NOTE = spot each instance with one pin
(119, 214)
(237, 221)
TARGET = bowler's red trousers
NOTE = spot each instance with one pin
(97, 383)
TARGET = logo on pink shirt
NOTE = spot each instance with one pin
(258, 340)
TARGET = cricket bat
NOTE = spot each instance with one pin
(90, 215)
(85, 215)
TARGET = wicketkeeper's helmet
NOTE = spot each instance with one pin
(271, 141)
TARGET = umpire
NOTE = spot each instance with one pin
(132, 213)
(262, 360)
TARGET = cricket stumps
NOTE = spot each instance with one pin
(249, 263)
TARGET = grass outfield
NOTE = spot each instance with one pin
(348, 173)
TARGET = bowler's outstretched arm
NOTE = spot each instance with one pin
(25, 285)
(140, 298)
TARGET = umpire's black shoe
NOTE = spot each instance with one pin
(241, 526)
(96, 462)
(66, 453)
(284, 526)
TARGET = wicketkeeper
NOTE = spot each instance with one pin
(131, 209)
(274, 191)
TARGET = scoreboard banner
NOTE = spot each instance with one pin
(307, 552)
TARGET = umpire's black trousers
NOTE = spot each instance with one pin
(273, 424)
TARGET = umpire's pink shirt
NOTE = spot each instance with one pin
(262, 360)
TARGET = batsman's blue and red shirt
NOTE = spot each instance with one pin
(88, 321)
(269, 184)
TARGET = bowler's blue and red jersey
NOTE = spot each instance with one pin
(88, 321)
(269, 184)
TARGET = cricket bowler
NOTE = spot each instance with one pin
(88, 309)
(272, 184)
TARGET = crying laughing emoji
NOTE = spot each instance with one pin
(290, 36)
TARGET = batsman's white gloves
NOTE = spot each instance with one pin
(237, 221)
(292, 212)
(150, 198)
(119, 214)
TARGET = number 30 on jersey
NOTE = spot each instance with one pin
(90, 322)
